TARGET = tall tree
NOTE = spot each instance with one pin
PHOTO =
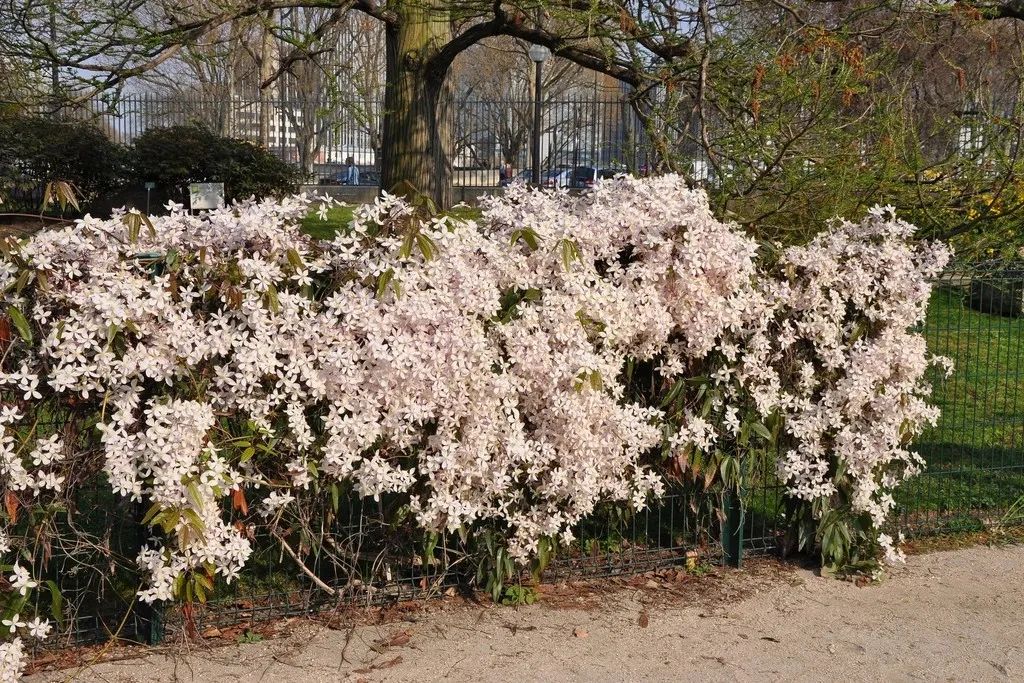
(778, 96)
(103, 43)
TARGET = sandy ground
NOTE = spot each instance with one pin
(955, 615)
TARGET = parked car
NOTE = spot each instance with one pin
(523, 176)
(586, 176)
(557, 177)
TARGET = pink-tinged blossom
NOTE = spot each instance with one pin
(473, 366)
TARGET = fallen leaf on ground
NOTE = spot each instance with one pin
(398, 639)
(580, 633)
(383, 665)
(644, 619)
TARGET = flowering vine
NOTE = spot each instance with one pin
(487, 371)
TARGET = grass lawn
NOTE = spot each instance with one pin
(975, 454)
(339, 216)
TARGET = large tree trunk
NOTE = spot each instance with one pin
(267, 67)
(417, 140)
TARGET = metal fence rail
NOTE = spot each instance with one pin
(595, 131)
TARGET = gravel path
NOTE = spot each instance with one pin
(954, 615)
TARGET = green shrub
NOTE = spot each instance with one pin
(35, 151)
(176, 156)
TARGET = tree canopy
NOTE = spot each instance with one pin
(796, 110)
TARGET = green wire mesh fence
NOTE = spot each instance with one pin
(975, 473)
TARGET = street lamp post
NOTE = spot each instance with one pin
(539, 54)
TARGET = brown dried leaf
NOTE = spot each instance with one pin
(11, 505)
(383, 665)
(398, 639)
(238, 501)
(644, 620)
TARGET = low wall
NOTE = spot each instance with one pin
(362, 194)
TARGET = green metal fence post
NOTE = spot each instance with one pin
(732, 530)
(152, 617)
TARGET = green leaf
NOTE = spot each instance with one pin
(383, 280)
(729, 469)
(22, 281)
(151, 514)
(18, 318)
(570, 253)
(405, 251)
(171, 258)
(761, 431)
(673, 393)
(273, 303)
(56, 602)
(194, 495)
(525, 235)
(179, 582)
(168, 520)
(133, 221)
(426, 246)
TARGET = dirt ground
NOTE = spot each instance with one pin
(954, 615)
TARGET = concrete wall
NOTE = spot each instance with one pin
(361, 194)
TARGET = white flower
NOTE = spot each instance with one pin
(39, 628)
(14, 623)
(20, 580)
(12, 661)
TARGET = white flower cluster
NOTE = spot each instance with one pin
(853, 298)
(12, 661)
(476, 367)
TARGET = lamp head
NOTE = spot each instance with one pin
(539, 53)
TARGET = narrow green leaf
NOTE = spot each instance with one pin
(426, 246)
(273, 303)
(383, 280)
(18, 318)
(151, 514)
(56, 602)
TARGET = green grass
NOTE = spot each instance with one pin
(975, 454)
(981, 402)
(339, 216)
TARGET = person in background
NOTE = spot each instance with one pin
(505, 174)
(351, 172)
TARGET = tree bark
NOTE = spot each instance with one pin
(266, 72)
(417, 141)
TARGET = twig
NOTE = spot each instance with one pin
(305, 570)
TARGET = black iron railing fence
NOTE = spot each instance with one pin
(593, 131)
(974, 480)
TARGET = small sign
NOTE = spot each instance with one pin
(150, 186)
(206, 195)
